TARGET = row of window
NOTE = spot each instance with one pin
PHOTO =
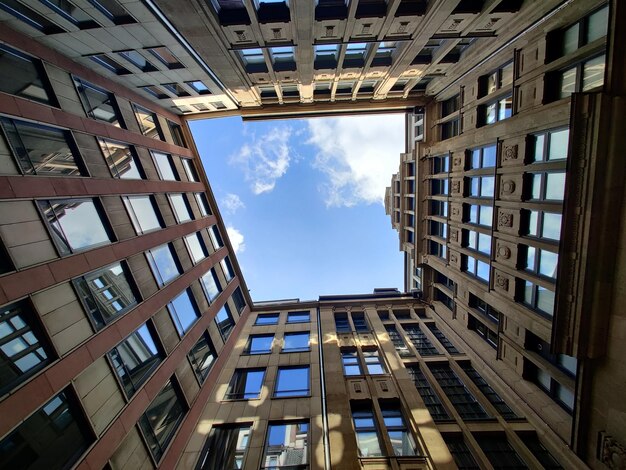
(298, 341)
(291, 381)
(303, 316)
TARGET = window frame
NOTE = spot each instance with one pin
(268, 316)
(175, 316)
(295, 314)
(201, 372)
(41, 75)
(248, 349)
(236, 381)
(287, 447)
(138, 109)
(86, 104)
(286, 350)
(161, 282)
(135, 219)
(292, 392)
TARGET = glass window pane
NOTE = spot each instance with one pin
(505, 108)
(216, 238)
(121, 159)
(555, 186)
(286, 446)
(99, 104)
(559, 143)
(266, 319)
(203, 204)
(181, 210)
(196, 247)
(536, 185)
(292, 382)
(533, 220)
(143, 213)
(163, 264)
(211, 285)
(190, 169)
(568, 83)
(539, 143)
(25, 80)
(183, 312)
(570, 39)
(224, 321)
(545, 300)
(487, 186)
(597, 24)
(482, 270)
(369, 445)
(165, 166)
(296, 341)
(148, 122)
(491, 113)
(298, 317)
(489, 156)
(551, 226)
(202, 357)
(227, 267)
(593, 73)
(245, 384)
(548, 263)
(260, 344)
(225, 448)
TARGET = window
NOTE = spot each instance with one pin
(165, 56)
(163, 263)
(238, 300)
(122, 159)
(224, 321)
(373, 363)
(165, 166)
(560, 394)
(462, 399)
(479, 215)
(450, 105)
(298, 317)
(342, 324)
(143, 213)
(180, 207)
(177, 134)
(203, 204)
(397, 340)
(366, 432)
(135, 358)
(183, 311)
(584, 76)
(66, 433)
(550, 146)
(542, 224)
(260, 344)
(75, 224)
(23, 344)
(225, 448)
(106, 293)
(541, 262)
(98, 103)
(190, 169)
(477, 241)
(481, 186)
(482, 157)
(476, 267)
(162, 418)
(28, 77)
(287, 446)
(282, 54)
(200, 88)
(439, 187)
(401, 439)
(292, 382)
(445, 342)
(495, 111)
(246, 384)
(460, 452)
(111, 65)
(489, 336)
(356, 50)
(547, 186)
(252, 56)
(216, 238)
(450, 129)
(484, 308)
(229, 273)
(420, 341)
(499, 404)
(539, 451)
(538, 297)
(499, 451)
(148, 122)
(351, 364)
(440, 164)
(498, 80)
(437, 249)
(138, 60)
(202, 357)
(585, 31)
(112, 10)
(430, 398)
(211, 285)
(267, 319)
(30, 17)
(296, 342)
(42, 150)
(195, 246)
(360, 323)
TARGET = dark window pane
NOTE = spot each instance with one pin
(266, 319)
(177, 135)
(98, 103)
(296, 342)
(421, 342)
(190, 169)
(298, 317)
(287, 446)
(430, 397)
(260, 344)
(121, 159)
(216, 238)
(540, 452)
(183, 311)
(27, 77)
(246, 384)
(203, 204)
(162, 260)
(202, 357)
(166, 57)
(341, 323)
(238, 300)
(6, 265)
(225, 322)
(490, 393)
(227, 267)
(135, 358)
(225, 448)
(30, 17)
(459, 395)
(211, 285)
(461, 453)
(292, 382)
(360, 324)
(113, 11)
(148, 122)
(499, 451)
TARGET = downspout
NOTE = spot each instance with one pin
(323, 393)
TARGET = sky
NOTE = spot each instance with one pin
(303, 201)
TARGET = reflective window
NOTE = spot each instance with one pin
(496, 111)
(480, 215)
(180, 207)
(165, 56)
(216, 238)
(122, 159)
(491, 395)
(138, 60)
(428, 394)
(30, 17)
(459, 395)
(28, 79)
(42, 150)
(551, 145)
(165, 166)
(245, 384)
(163, 263)
(112, 10)
(441, 164)
(106, 293)
(543, 224)
(298, 317)
(373, 363)
(367, 437)
(203, 204)
(481, 186)
(443, 340)
(286, 446)
(547, 186)
(183, 311)
(177, 134)
(211, 285)
(401, 439)
(267, 319)
(195, 246)
(99, 104)
(359, 322)
(538, 297)
(460, 452)
(594, 26)
(109, 64)
(260, 344)
(135, 358)
(540, 452)
(439, 187)
(342, 324)
(224, 321)
(476, 267)
(199, 87)
(23, 344)
(148, 122)
(296, 342)
(542, 262)
(483, 157)
(500, 79)
(292, 382)
(57, 431)
(238, 300)
(72, 13)
(477, 241)
(74, 224)
(202, 357)
(162, 418)
(227, 267)
(225, 448)
(351, 364)
(143, 213)
(420, 341)
(190, 169)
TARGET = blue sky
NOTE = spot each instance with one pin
(303, 201)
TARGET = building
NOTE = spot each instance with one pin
(127, 335)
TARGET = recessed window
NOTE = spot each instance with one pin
(462, 399)
(542, 224)
(211, 285)
(428, 394)
(439, 186)
(112, 10)
(245, 384)
(42, 150)
(68, 436)
(420, 341)
(227, 267)
(401, 439)
(396, 338)
(296, 342)
(292, 382)
(23, 344)
(238, 300)
(440, 164)
(224, 321)
(450, 105)
(202, 357)
(183, 311)
(495, 111)
(298, 317)
(481, 186)
(499, 451)
(181, 208)
(30, 17)
(548, 186)
(541, 262)
(491, 395)
(177, 134)
(259, 344)
(450, 129)
(476, 267)
(75, 224)
(488, 335)
(483, 157)
(479, 215)
(72, 13)
(538, 297)
(165, 166)
(195, 246)
(286, 446)
(477, 241)
(155, 91)
(460, 452)
(148, 122)
(111, 65)
(267, 319)
(542, 454)
(367, 437)
(252, 56)
(98, 103)
(106, 293)
(359, 322)
(143, 213)
(163, 263)
(497, 80)
(216, 455)
(162, 418)
(373, 363)
(585, 31)
(28, 77)
(550, 146)
(175, 89)
(135, 358)
(199, 87)
(138, 60)
(122, 159)
(203, 204)
(165, 56)
(216, 238)
(351, 364)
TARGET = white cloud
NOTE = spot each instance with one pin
(232, 203)
(236, 239)
(358, 155)
(265, 159)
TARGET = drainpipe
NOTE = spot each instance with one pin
(323, 391)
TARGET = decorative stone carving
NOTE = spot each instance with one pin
(504, 252)
(505, 219)
(241, 36)
(277, 33)
(454, 236)
(456, 186)
(509, 152)
(330, 31)
(613, 453)
(402, 27)
(508, 187)
(458, 161)
(455, 210)
(366, 28)
(502, 282)
(454, 258)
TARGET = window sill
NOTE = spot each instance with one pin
(291, 351)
